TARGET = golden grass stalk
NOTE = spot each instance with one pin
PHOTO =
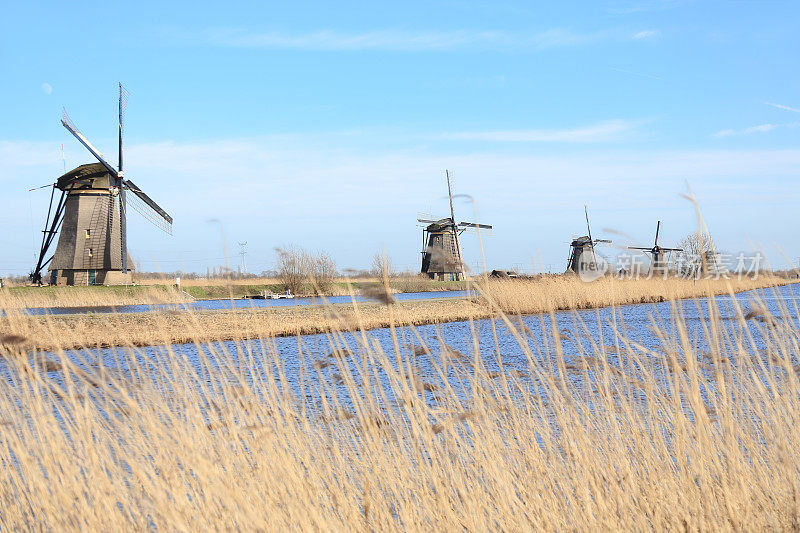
(228, 437)
(32, 297)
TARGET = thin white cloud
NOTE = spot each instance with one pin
(396, 40)
(603, 132)
(647, 34)
(784, 107)
(191, 180)
(761, 128)
(47, 88)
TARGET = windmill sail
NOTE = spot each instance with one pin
(657, 252)
(453, 216)
(589, 230)
(123, 210)
(145, 206)
(67, 123)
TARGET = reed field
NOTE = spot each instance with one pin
(94, 296)
(582, 433)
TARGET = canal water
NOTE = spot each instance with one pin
(243, 303)
(314, 367)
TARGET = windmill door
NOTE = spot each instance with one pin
(91, 277)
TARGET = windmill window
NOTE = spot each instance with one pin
(88, 233)
(91, 252)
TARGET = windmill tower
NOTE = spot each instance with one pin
(658, 265)
(582, 256)
(91, 215)
(441, 254)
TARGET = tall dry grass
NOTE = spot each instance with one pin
(696, 433)
(99, 296)
(569, 292)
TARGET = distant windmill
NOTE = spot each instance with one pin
(582, 256)
(658, 265)
(441, 255)
(92, 245)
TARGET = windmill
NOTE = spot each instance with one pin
(441, 254)
(658, 265)
(582, 257)
(92, 243)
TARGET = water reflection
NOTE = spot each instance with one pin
(242, 303)
(456, 356)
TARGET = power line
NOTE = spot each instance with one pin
(243, 253)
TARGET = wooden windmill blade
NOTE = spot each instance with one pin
(450, 197)
(67, 123)
(655, 248)
(150, 209)
(474, 225)
(589, 230)
(588, 227)
(449, 174)
(655, 241)
(123, 208)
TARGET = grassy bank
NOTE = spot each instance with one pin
(511, 297)
(670, 438)
(337, 288)
(164, 291)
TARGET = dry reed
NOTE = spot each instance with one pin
(226, 442)
(37, 297)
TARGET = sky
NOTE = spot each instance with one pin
(330, 125)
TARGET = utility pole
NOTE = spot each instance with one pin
(243, 252)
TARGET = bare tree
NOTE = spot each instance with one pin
(290, 268)
(296, 267)
(698, 252)
(382, 265)
(322, 269)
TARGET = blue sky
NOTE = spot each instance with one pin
(330, 125)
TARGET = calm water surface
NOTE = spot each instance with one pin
(243, 303)
(304, 366)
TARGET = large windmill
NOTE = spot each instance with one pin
(92, 244)
(657, 265)
(441, 254)
(582, 257)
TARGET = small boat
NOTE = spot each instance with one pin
(267, 295)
